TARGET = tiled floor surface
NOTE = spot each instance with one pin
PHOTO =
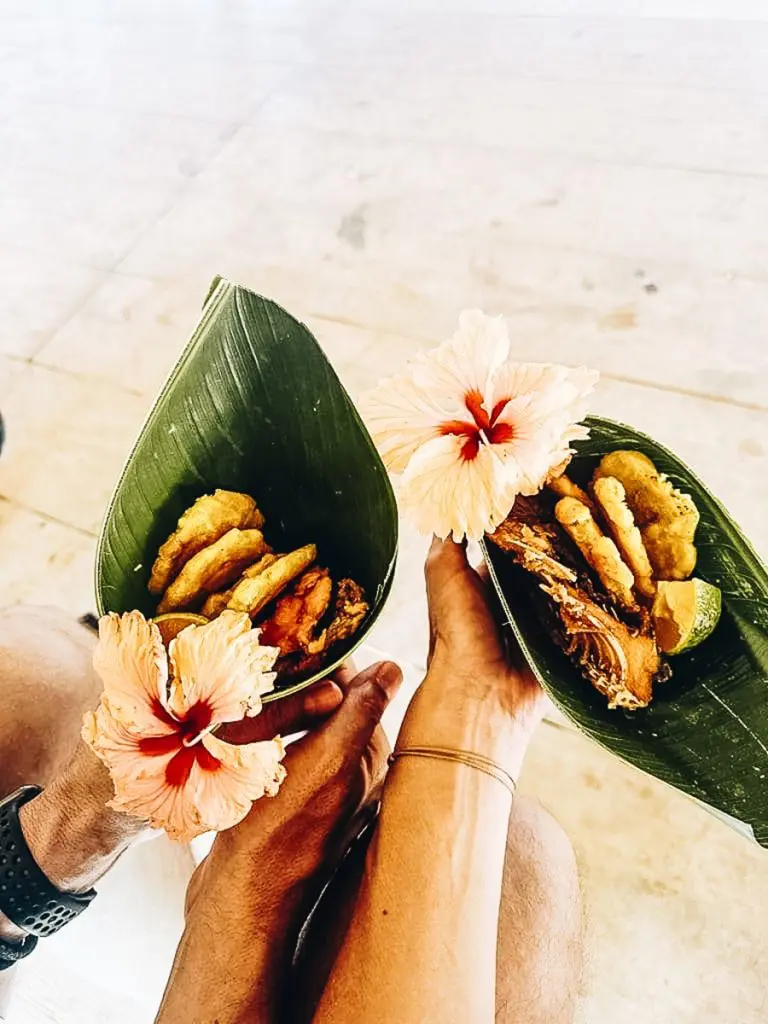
(597, 170)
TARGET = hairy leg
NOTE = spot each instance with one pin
(538, 965)
(47, 682)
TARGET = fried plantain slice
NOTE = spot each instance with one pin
(611, 497)
(252, 593)
(666, 517)
(213, 568)
(216, 603)
(209, 518)
(599, 551)
(297, 614)
(564, 487)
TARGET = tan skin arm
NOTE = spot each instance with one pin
(421, 947)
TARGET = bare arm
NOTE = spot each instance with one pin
(422, 943)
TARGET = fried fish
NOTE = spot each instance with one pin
(293, 624)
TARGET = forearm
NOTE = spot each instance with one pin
(71, 833)
(422, 944)
(234, 957)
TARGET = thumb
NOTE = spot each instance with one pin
(366, 698)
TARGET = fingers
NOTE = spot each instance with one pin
(365, 700)
(290, 714)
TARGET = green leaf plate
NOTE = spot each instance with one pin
(253, 405)
(706, 732)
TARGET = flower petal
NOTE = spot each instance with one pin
(401, 416)
(445, 493)
(223, 796)
(222, 665)
(406, 411)
(467, 363)
(545, 404)
(132, 663)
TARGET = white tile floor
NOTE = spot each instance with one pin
(595, 169)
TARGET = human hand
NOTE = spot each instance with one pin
(288, 844)
(478, 692)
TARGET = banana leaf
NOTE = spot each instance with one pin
(706, 732)
(253, 405)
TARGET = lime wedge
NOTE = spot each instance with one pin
(171, 624)
(684, 613)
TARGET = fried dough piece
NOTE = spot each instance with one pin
(620, 663)
(599, 550)
(216, 603)
(564, 487)
(212, 568)
(209, 518)
(293, 624)
(251, 594)
(666, 517)
(611, 497)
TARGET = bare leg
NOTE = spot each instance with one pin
(538, 967)
(539, 949)
(46, 683)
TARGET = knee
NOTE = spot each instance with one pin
(537, 842)
(47, 681)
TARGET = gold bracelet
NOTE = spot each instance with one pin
(483, 764)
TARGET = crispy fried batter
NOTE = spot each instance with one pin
(599, 550)
(216, 603)
(620, 663)
(293, 623)
(611, 497)
(564, 487)
(212, 568)
(209, 518)
(533, 546)
(667, 518)
(252, 594)
(350, 609)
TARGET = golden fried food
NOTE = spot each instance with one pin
(534, 545)
(600, 551)
(667, 518)
(293, 623)
(251, 594)
(621, 663)
(209, 518)
(216, 603)
(564, 487)
(611, 497)
(213, 568)
(350, 609)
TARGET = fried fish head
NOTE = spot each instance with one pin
(293, 624)
(213, 568)
(202, 524)
(622, 664)
(253, 593)
(611, 498)
(666, 517)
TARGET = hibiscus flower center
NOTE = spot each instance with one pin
(181, 740)
(482, 429)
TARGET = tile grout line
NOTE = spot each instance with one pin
(619, 378)
(13, 503)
